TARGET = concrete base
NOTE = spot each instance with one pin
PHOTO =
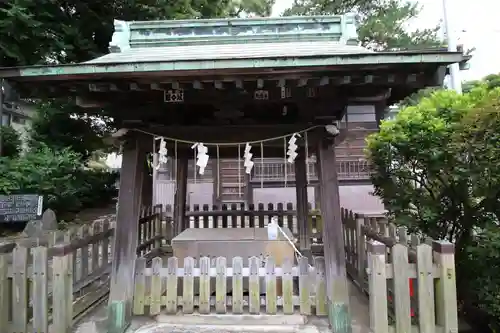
(171, 328)
(315, 325)
(232, 319)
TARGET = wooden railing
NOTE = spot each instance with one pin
(57, 278)
(250, 216)
(151, 230)
(274, 170)
(54, 283)
(410, 279)
(353, 169)
(286, 289)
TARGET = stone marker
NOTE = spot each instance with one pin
(49, 220)
(37, 228)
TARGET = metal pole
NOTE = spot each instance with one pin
(456, 84)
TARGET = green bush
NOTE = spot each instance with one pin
(59, 176)
(437, 169)
(483, 279)
(96, 187)
(11, 142)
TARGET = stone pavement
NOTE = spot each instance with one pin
(220, 324)
(214, 323)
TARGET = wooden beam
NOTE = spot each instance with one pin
(126, 235)
(302, 202)
(155, 178)
(181, 176)
(411, 77)
(216, 172)
(333, 239)
(248, 190)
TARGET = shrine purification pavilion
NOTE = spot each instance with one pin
(222, 83)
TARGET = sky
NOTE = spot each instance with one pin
(474, 23)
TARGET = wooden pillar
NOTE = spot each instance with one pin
(302, 202)
(125, 237)
(333, 241)
(380, 109)
(248, 189)
(155, 179)
(215, 178)
(180, 197)
(317, 197)
(147, 187)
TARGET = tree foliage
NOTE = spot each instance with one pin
(414, 99)
(382, 23)
(11, 142)
(490, 81)
(64, 137)
(83, 133)
(61, 31)
(437, 169)
(425, 165)
(58, 175)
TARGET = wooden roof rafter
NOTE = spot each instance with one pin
(199, 84)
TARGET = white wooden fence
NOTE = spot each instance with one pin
(410, 279)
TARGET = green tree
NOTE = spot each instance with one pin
(416, 97)
(11, 142)
(58, 175)
(436, 168)
(57, 125)
(44, 31)
(382, 23)
(491, 81)
(423, 168)
(61, 31)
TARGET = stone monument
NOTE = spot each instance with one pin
(36, 228)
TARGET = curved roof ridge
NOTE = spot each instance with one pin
(146, 34)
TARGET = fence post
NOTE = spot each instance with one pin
(139, 287)
(5, 301)
(360, 243)
(20, 288)
(158, 226)
(446, 289)
(62, 288)
(425, 287)
(105, 244)
(40, 286)
(401, 290)
(377, 287)
(220, 285)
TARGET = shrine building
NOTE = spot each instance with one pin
(226, 83)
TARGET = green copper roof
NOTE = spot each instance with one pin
(202, 67)
(233, 31)
(192, 40)
(231, 52)
(200, 47)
